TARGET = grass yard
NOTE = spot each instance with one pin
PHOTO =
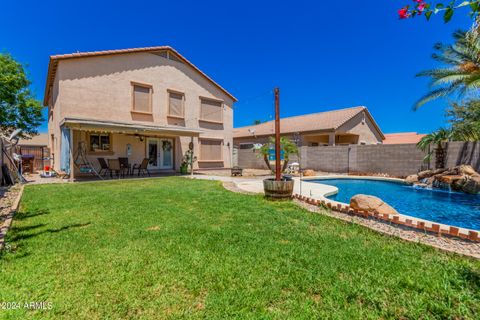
(179, 248)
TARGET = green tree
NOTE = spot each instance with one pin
(255, 122)
(286, 145)
(465, 120)
(437, 140)
(460, 74)
(18, 107)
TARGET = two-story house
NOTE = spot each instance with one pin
(136, 103)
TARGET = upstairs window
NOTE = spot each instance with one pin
(211, 110)
(141, 98)
(176, 104)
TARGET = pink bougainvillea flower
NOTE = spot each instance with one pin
(403, 13)
(421, 6)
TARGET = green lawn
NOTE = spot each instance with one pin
(173, 247)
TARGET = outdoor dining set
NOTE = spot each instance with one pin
(121, 167)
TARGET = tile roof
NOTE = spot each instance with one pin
(39, 140)
(53, 64)
(329, 120)
(402, 138)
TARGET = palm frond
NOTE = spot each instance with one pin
(438, 93)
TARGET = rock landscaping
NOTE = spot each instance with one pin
(9, 199)
(460, 178)
(364, 202)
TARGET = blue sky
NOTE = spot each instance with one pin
(322, 54)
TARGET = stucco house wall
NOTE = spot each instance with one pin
(100, 88)
(362, 126)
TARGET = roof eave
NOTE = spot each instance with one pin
(286, 132)
(55, 58)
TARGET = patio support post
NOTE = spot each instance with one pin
(331, 139)
(191, 157)
(72, 168)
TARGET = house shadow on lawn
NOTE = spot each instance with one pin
(17, 236)
(471, 277)
(30, 214)
(24, 234)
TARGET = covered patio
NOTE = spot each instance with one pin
(92, 146)
(331, 138)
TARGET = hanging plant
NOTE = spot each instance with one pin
(167, 146)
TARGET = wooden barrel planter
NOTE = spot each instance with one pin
(278, 190)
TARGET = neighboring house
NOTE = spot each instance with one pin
(403, 138)
(36, 146)
(338, 127)
(40, 140)
(136, 103)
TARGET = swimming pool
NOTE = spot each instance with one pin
(456, 209)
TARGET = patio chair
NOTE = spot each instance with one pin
(103, 166)
(125, 165)
(114, 166)
(142, 167)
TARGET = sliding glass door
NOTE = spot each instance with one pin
(160, 153)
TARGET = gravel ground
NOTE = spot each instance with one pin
(8, 200)
(7, 197)
(247, 173)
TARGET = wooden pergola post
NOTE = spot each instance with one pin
(278, 170)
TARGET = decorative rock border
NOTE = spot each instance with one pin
(9, 217)
(401, 220)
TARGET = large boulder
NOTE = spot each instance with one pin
(460, 178)
(466, 170)
(425, 174)
(309, 173)
(472, 185)
(438, 171)
(370, 203)
(450, 179)
(411, 179)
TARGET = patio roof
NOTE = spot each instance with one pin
(128, 127)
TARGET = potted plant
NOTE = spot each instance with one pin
(187, 160)
(184, 168)
(283, 188)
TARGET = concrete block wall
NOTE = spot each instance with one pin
(463, 153)
(398, 160)
(248, 158)
(325, 158)
(395, 160)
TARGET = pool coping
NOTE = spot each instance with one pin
(400, 219)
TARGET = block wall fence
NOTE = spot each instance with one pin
(395, 160)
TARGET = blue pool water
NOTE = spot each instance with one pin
(456, 209)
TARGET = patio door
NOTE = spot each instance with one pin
(160, 153)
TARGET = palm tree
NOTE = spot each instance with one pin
(461, 73)
(437, 139)
(465, 120)
(287, 146)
